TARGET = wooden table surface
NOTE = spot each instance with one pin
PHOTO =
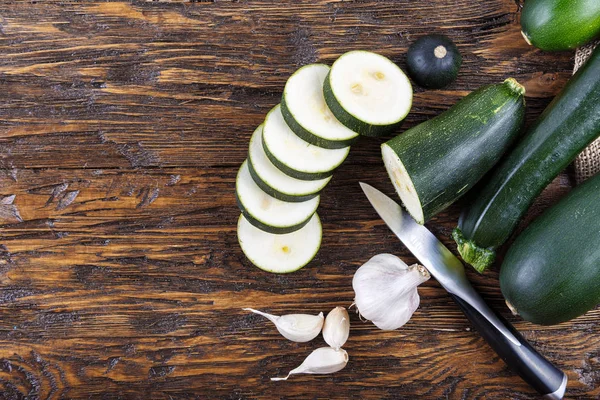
(122, 126)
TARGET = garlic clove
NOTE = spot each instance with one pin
(295, 327)
(386, 290)
(324, 360)
(336, 327)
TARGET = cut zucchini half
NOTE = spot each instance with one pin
(435, 163)
(306, 113)
(368, 93)
(273, 181)
(402, 183)
(280, 253)
(268, 213)
(294, 156)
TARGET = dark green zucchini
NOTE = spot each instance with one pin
(434, 163)
(551, 273)
(567, 126)
(433, 61)
(556, 25)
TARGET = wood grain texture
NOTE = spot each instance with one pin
(122, 125)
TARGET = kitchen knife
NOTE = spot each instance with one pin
(450, 273)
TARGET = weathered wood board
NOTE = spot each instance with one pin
(122, 125)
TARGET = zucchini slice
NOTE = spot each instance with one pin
(294, 156)
(436, 162)
(306, 113)
(368, 93)
(280, 253)
(273, 181)
(266, 212)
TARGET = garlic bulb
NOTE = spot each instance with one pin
(336, 328)
(386, 290)
(295, 327)
(325, 360)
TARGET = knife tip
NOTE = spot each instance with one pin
(366, 188)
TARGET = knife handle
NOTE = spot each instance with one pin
(530, 365)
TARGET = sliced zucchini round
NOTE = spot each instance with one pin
(268, 213)
(294, 156)
(306, 113)
(368, 93)
(273, 181)
(280, 253)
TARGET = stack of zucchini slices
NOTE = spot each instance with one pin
(293, 154)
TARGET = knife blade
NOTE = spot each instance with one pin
(439, 261)
(449, 272)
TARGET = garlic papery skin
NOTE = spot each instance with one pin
(386, 290)
(325, 360)
(336, 328)
(295, 327)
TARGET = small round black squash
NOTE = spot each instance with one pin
(433, 61)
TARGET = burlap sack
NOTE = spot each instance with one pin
(587, 164)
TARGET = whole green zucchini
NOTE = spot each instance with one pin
(556, 25)
(434, 163)
(567, 126)
(551, 273)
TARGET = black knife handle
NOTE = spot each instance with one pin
(530, 365)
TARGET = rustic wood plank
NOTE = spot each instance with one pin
(122, 125)
(133, 85)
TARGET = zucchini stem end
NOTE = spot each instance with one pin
(478, 257)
